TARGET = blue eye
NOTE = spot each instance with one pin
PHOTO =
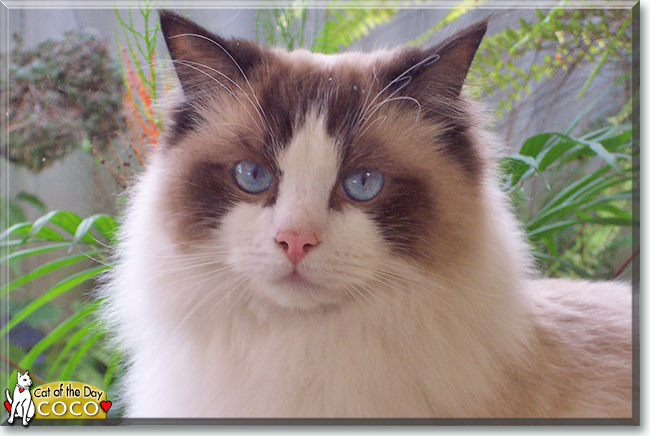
(252, 177)
(363, 184)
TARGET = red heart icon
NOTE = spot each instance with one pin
(8, 406)
(106, 405)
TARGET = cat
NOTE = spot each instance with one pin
(22, 405)
(324, 236)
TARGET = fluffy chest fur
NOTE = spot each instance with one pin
(402, 334)
(324, 236)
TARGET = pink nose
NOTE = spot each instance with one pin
(296, 245)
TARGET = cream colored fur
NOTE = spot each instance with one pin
(453, 323)
(482, 339)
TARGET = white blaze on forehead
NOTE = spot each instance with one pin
(360, 60)
(309, 166)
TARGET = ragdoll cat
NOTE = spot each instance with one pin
(324, 236)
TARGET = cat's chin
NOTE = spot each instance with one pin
(295, 291)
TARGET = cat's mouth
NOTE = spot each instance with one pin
(294, 278)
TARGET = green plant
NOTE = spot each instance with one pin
(285, 26)
(138, 63)
(77, 250)
(61, 94)
(340, 27)
(12, 208)
(557, 42)
(78, 242)
(595, 200)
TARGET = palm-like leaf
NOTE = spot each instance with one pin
(59, 232)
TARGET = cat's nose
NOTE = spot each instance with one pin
(296, 245)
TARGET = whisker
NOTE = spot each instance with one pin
(224, 291)
(231, 92)
(236, 64)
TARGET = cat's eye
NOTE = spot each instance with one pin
(252, 177)
(363, 184)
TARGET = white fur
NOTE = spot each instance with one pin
(369, 335)
(331, 60)
(344, 358)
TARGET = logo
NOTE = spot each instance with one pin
(56, 400)
(21, 405)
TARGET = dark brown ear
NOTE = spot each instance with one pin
(203, 59)
(456, 55)
(439, 71)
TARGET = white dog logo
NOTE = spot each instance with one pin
(21, 405)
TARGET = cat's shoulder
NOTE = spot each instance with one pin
(579, 361)
(583, 311)
(581, 296)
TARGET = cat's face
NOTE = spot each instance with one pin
(24, 380)
(313, 178)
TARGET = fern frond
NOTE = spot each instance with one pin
(344, 27)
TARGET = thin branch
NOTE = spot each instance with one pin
(14, 365)
(625, 264)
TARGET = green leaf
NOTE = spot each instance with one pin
(15, 212)
(71, 342)
(615, 142)
(576, 187)
(518, 167)
(67, 221)
(59, 333)
(32, 200)
(548, 257)
(347, 26)
(59, 289)
(606, 221)
(105, 224)
(82, 352)
(549, 243)
(511, 34)
(112, 368)
(613, 221)
(46, 268)
(561, 144)
(577, 199)
(535, 144)
(551, 228)
(45, 233)
(604, 154)
(20, 229)
(606, 206)
(33, 252)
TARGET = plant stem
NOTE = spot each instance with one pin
(14, 365)
(625, 264)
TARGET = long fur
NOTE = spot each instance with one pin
(433, 311)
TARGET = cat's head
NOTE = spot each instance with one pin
(24, 380)
(311, 176)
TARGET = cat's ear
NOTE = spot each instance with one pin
(439, 71)
(19, 374)
(202, 59)
(456, 55)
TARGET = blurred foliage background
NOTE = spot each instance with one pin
(573, 188)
